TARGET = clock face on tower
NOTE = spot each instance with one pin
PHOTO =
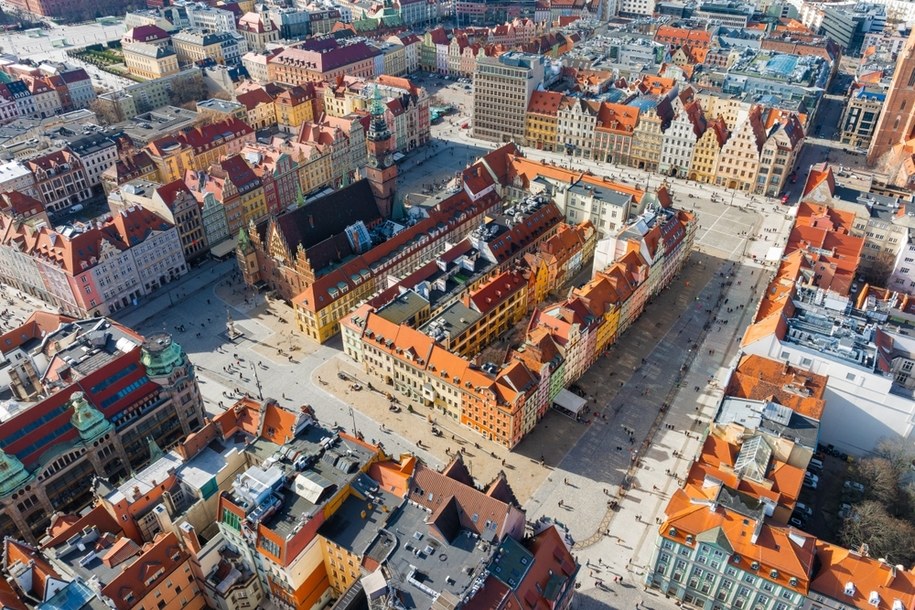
(388, 160)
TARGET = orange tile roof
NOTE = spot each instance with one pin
(833, 219)
(97, 517)
(833, 256)
(656, 85)
(820, 173)
(683, 35)
(760, 378)
(617, 117)
(278, 425)
(36, 326)
(254, 98)
(9, 599)
(788, 551)
(158, 559)
(394, 477)
(529, 170)
(837, 567)
(538, 349)
(552, 559)
(776, 307)
(243, 416)
(788, 480)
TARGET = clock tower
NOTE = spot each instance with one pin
(380, 169)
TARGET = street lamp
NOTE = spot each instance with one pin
(257, 381)
(353, 415)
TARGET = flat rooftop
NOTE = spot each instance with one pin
(403, 308)
(359, 519)
(452, 322)
(421, 565)
(334, 463)
(843, 337)
(770, 417)
(89, 345)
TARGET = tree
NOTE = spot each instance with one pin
(882, 484)
(899, 452)
(878, 272)
(885, 536)
(104, 112)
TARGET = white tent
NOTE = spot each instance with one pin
(569, 402)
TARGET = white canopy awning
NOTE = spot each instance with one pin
(569, 401)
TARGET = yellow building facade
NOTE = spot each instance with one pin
(292, 110)
(148, 61)
(253, 206)
(705, 153)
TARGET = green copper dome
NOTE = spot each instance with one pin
(12, 473)
(88, 421)
(161, 355)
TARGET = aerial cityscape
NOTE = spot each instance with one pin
(432, 304)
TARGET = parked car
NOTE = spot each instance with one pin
(802, 508)
(854, 486)
(810, 483)
(815, 465)
(795, 522)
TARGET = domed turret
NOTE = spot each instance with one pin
(161, 355)
(88, 421)
(12, 473)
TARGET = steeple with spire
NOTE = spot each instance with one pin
(380, 169)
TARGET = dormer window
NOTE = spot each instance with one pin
(874, 599)
(849, 588)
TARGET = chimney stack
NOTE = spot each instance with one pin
(189, 536)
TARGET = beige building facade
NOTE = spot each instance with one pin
(502, 90)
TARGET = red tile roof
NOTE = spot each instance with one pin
(496, 291)
(544, 102)
(433, 490)
(42, 572)
(20, 204)
(254, 98)
(157, 561)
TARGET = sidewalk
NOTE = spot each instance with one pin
(624, 543)
(174, 293)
